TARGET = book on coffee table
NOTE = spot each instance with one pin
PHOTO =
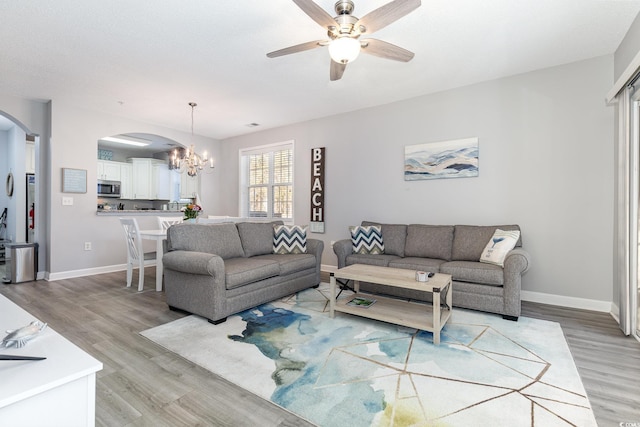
(361, 302)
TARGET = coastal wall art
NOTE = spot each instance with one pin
(456, 158)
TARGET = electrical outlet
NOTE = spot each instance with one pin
(332, 242)
(87, 246)
(67, 201)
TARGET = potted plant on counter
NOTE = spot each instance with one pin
(191, 212)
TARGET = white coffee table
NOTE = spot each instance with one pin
(421, 316)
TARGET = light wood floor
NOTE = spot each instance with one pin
(144, 385)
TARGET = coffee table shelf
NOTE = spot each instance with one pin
(423, 316)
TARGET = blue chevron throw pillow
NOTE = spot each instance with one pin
(367, 240)
(289, 239)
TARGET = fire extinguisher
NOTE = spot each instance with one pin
(32, 224)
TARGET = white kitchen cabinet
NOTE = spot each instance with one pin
(126, 181)
(189, 185)
(108, 170)
(141, 175)
(150, 179)
(161, 182)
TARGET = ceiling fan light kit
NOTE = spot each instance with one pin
(344, 33)
(344, 49)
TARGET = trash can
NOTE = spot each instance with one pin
(21, 262)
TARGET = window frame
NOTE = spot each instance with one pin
(244, 178)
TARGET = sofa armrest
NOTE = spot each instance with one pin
(316, 247)
(515, 265)
(517, 260)
(194, 263)
(195, 282)
(342, 248)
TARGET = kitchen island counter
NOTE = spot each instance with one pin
(141, 212)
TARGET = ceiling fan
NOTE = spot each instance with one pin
(344, 33)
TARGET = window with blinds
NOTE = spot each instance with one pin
(267, 181)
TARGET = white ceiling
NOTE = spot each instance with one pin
(146, 59)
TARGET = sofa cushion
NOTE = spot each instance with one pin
(394, 237)
(292, 263)
(220, 239)
(474, 272)
(242, 271)
(429, 241)
(289, 239)
(469, 240)
(411, 263)
(367, 240)
(499, 246)
(380, 260)
(256, 237)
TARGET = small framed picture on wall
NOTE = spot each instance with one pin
(74, 180)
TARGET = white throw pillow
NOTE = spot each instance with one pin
(499, 246)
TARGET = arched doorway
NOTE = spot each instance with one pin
(19, 211)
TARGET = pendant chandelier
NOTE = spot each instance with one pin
(191, 162)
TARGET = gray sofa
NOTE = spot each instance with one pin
(215, 270)
(450, 249)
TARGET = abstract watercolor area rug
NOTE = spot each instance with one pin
(350, 371)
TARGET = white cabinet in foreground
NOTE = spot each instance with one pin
(57, 391)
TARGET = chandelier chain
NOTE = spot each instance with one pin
(193, 105)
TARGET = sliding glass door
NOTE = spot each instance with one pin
(634, 128)
(627, 247)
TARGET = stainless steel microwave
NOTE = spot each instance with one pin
(108, 188)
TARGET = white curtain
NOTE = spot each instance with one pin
(627, 195)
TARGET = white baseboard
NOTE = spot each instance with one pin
(565, 301)
(84, 272)
(615, 312)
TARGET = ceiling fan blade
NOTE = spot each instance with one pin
(386, 50)
(387, 14)
(316, 13)
(295, 49)
(336, 71)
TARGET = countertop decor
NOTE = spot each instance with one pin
(192, 211)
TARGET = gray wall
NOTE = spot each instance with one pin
(68, 139)
(628, 49)
(546, 163)
(75, 134)
(15, 150)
